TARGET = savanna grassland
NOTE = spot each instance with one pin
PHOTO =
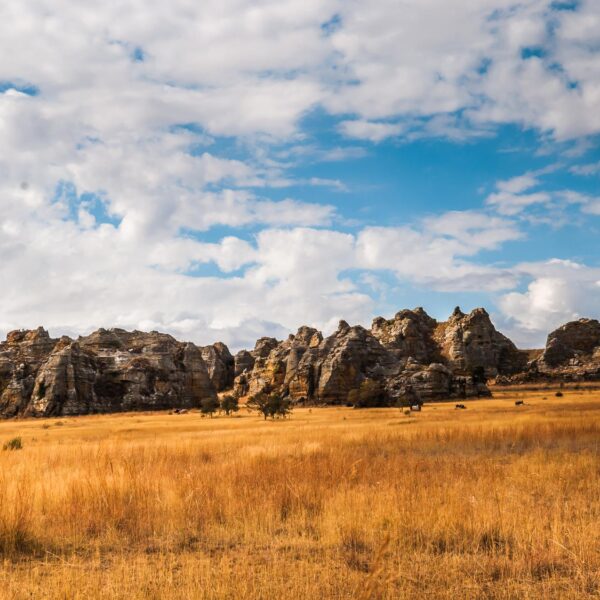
(495, 501)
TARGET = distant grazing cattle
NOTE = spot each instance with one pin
(460, 406)
(519, 403)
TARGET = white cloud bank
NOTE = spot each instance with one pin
(108, 101)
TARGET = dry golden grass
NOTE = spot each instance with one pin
(496, 501)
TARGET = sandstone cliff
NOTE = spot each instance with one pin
(470, 342)
(107, 371)
(409, 358)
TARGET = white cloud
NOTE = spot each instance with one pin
(519, 184)
(512, 204)
(143, 138)
(559, 291)
(436, 253)
(588, 169)
(368, 130)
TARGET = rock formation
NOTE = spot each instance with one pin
(21, 356)
(107, 371)
(220, 364)
(572, 354)
(408, 359)
(468, 342)
(576, 342)
(408, 334)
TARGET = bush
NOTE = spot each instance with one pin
(559, 394)
(209, 406)
(14, 444)
(229, 404)
(270, 405)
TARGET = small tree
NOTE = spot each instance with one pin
(282, 406)
(270, 405)
(229, 404)
(260, 403)
(209, 406)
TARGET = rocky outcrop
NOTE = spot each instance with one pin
(21, 356)
(408, 335)
(470, 344)
(243, 363)
(572, 354)
(434, 382)
(575, 342)
(350, 356)
(107, 371)
(274, 364)
(409, 358)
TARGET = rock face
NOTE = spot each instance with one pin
(21, 356)
(408, 334)
(470, 342)
(220, 364)
(577, 341)
(107, 371)
(572, 354)
(406, 359)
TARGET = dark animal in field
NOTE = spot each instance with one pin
(460, 406)
(519, 403)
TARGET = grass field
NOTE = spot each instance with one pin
(495, 501)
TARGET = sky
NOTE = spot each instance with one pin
(229, 169)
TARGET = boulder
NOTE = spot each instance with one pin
(577, 339)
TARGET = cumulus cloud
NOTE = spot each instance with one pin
(558, 291)
(437, 253)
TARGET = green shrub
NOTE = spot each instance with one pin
(229, 404)
(209, 406)
(270, 405)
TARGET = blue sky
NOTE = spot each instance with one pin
(237, 169)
